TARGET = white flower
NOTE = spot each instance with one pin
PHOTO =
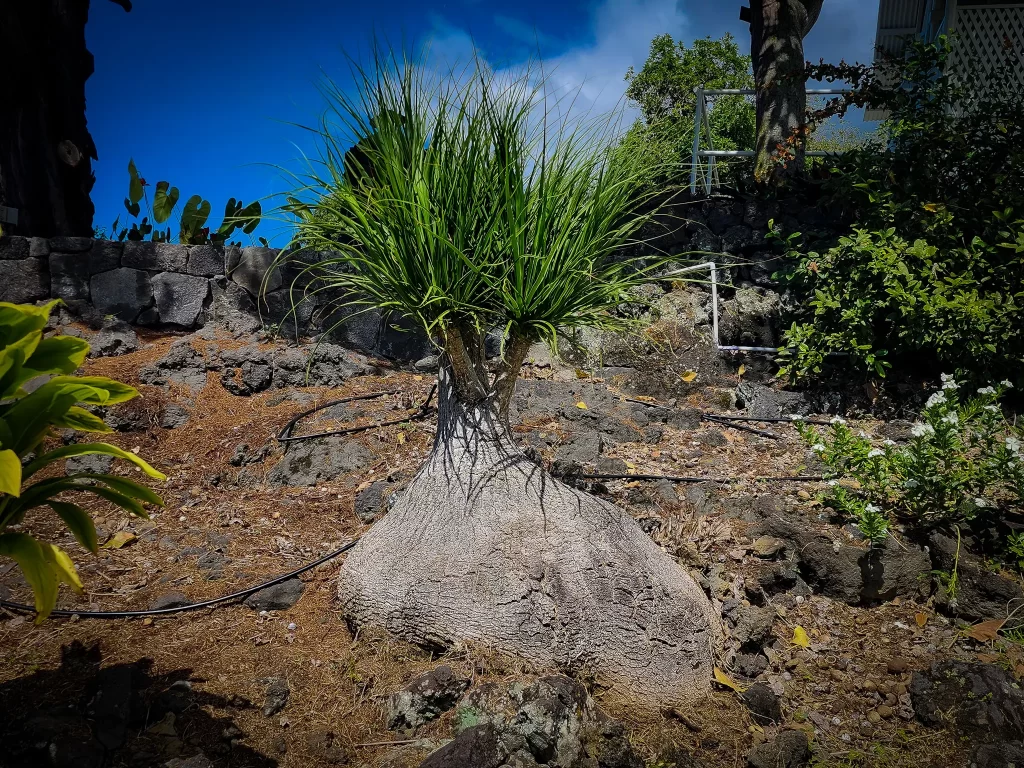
(922, 430)
(950, 385)
(951, 418)
(982, 503)
(833, 482)
(1013, 444)
(993, 408)
(890, 442)
(875, 452)
(795, 417)
(837, 420)
(986, 390)
(946, 377)
(1006, 384)
(818, 447)
(936, 399)
(870, 508)
(910, 483)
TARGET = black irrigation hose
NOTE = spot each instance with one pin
(772, 419)
(191, 606)
(714, 419)
(684, 479)
(285, 435)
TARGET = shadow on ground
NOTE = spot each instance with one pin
(89, 716)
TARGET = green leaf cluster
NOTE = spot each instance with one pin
(192, 216)
(27, 416)
(932, 274)
(475, 200)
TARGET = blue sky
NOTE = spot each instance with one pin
(200, 93)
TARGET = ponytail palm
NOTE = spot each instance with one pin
(471, 203)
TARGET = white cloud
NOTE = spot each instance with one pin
(591, 74)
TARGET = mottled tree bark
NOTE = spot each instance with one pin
(777, 31)
(485, 547)
(46, 151)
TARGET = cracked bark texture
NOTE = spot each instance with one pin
(484, 546)
(777, 32)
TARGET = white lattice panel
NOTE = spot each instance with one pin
(983, 34)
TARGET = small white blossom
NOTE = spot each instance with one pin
(890, 442)
(1013, 444)
(833, 482)
(922, 430)
(986, 390)
(951, 418)
(818, 447)
(946, 377)
(950, 385)
(795, 417)
(875, 452)
(910, 483)
(982, 503)
(837, 420)
(1006, 384)
(993, 408)
(870, 508)
(936, 399)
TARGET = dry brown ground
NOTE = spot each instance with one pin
(339, 682)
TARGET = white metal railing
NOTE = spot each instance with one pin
(701, 123)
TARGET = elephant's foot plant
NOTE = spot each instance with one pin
(962, 464)
(27, 416)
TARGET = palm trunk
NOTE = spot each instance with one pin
(777, 31)
(485, 547)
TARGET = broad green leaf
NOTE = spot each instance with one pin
(10, 473)
(78, 521)
(82, 420)
(85, 449)
(28, 554)
(17, 320)
(134, 185)
(111, 391)
(60, 563)
(164, 200)
(126, 503)
(119, 539)
(58, 354)
(195, 213)
(128, 488)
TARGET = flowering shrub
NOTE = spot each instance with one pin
(962, 462)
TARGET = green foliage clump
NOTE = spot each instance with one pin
(664, 89)
(195, 211)
(932, 274)
(475, 204)
(26, 421)
(962, 464)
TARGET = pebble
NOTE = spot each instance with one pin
(874, 716)
(292, 626)
(884, 711)
(802, 494)
(898, 666)
(866, 729)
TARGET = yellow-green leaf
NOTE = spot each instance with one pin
(723, 679)
(742, 370)
(10, 473)
(581, 405)
(80, 419)
(105, 391)
(800, 637)
(58, 354)
(28, 554)
(689, 376)
(63, 568)
(82, 449)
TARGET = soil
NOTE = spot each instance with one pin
(841, 671)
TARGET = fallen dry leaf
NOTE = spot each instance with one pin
(581, 405)
(988, 658)
(119, 539)
(689, 376)
(921, 619)
(985, 631)
(742, 370)
(800, 637)
(723, 679)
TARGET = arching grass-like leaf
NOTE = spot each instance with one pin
(85, 449)
(28, 554)
(79, 522)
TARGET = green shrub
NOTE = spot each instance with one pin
(962, 464)
(879, 299)
(26, 420)
(932, 274)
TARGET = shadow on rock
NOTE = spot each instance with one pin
(84, 715)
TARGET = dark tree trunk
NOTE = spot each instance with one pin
(777, 31)
(46, 151)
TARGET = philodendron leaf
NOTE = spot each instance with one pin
(134, 186)
(194, 214)
(132, 208)
(164, 200)
(253, 212)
